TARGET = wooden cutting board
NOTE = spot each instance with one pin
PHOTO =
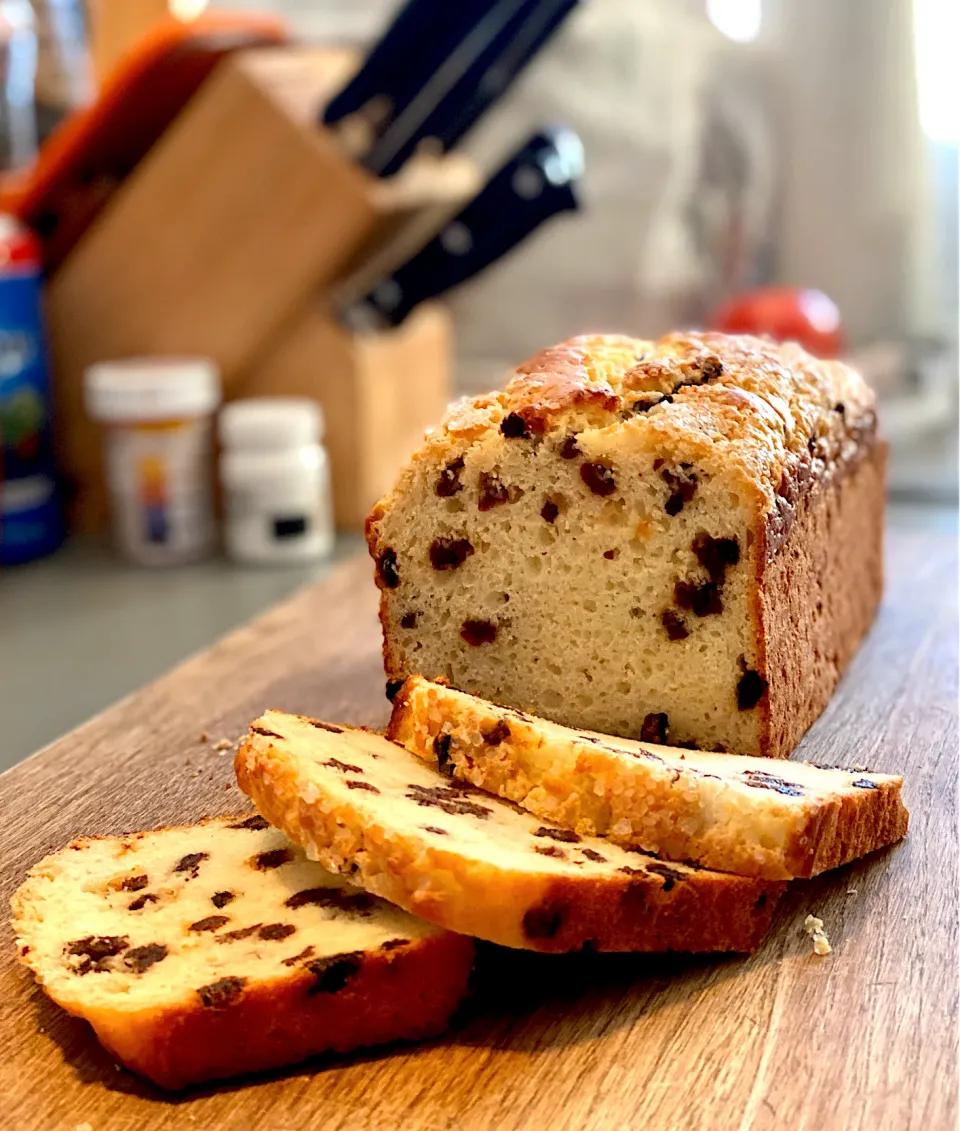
(865, 1038)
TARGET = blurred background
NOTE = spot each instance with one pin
(249, 251)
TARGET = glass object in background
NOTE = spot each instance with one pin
(64, 75)
(30, 519)
(158, 414)
(18, 66)
(276, 480)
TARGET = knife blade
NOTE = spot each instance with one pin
(418, 40)
(536, 183)
(471, 80)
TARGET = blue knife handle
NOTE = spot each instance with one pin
(485, 76)
(535, 184)
(421, 36)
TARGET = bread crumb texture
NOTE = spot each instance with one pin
(814, 928)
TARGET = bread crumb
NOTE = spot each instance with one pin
(204, 737)
(814, 928)
(224, 744)
(84, 1127)
(860, 769)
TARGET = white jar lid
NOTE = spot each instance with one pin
(281, 473)
(151, 388)
(271, 423)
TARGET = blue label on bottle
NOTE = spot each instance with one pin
(30, 521)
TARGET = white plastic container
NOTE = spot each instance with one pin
(276, 481)
(157, 414)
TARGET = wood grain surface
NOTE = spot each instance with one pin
(865, 1038)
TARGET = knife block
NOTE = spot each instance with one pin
(228, 233)
(379, 393)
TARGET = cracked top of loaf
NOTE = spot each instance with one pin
(768, 414)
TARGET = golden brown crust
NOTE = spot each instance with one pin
(499, 889)
(748, 816)
(408, 994)
(734, 403)
(818, 597)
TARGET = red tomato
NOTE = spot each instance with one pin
(786, 314)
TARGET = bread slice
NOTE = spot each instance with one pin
(677, 541)
(203, 952)
(751, 816)
(361, 804)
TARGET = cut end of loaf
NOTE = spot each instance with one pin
(600, 610)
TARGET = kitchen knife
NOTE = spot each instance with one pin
(421, 36)
(535, 184)
(471, 79)
(459, 114)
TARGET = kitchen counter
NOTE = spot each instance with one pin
(81, 630)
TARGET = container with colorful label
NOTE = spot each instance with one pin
(30, 518)
(158, 418)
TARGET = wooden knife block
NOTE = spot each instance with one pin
(224, 241)
(379, 394)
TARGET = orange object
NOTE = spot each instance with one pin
(92, 151)
(786, 314)
(114, 26)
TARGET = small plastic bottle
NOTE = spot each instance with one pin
(276, 481)
(158, 417)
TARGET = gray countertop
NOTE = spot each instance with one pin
(81, 630)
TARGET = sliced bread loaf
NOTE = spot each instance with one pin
(363, 805)
(751, 816)
(203, 952)
(681, 536)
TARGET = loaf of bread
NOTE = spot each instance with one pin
(464, 860)
(751, 816)
(676, 541)
(203, 952)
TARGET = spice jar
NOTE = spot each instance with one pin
(158, 418)
(276, 481)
